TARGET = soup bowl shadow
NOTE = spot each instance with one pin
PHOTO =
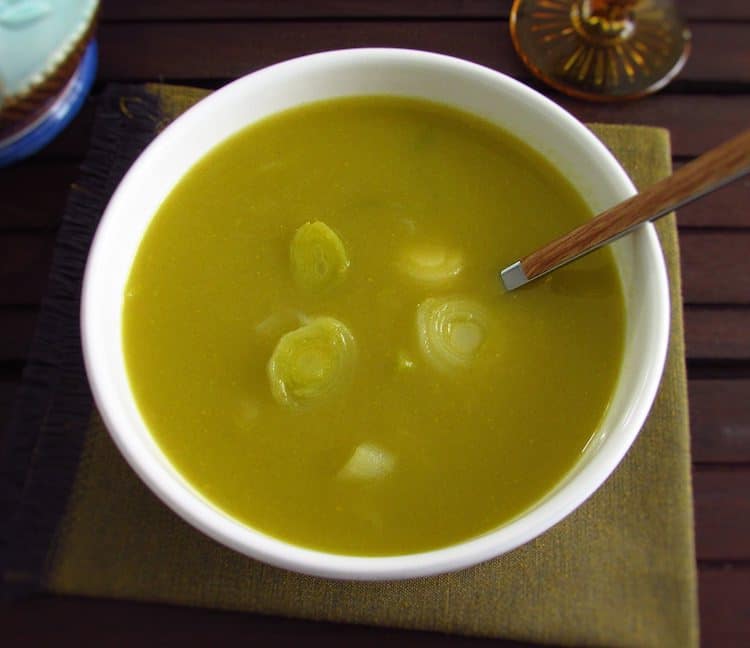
(543, 125)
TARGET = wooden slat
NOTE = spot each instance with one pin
(724, 610)
(691, 120)
(719, 409)
(722, 513)
(73, 142)
(114, 10)
(724, 602)
(724, 606)
(43, 620)
(33, 194)
(8, 389)
(720, 420)
(712, 10)
(709, 261)
(716, 267)
(727, 207)
(231, 49)
(263, 9)
(714, 45)
(25, 260)
(711, 334)
(717, 333)
(18, 326)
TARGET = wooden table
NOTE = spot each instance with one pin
(210, 42)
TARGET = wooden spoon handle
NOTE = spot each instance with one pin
(706, 173)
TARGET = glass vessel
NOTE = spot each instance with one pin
(604, 50)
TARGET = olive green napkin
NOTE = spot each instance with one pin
(620, 571)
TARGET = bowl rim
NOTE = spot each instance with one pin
(230, 532)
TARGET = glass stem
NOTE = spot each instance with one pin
(604, 21)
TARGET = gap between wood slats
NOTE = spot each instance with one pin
(116, 10)
(230, 49)
(723, 565)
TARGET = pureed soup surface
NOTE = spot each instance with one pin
(317, 338)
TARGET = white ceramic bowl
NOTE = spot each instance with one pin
(484, 92)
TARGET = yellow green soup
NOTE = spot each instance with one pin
(316, 335)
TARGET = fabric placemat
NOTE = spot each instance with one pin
(620, 571)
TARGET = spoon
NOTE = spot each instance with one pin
(712, 170)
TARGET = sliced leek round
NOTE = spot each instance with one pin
(368, 461)
(451, 331)
(431, 264)
(311, 363)
(318, 257)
